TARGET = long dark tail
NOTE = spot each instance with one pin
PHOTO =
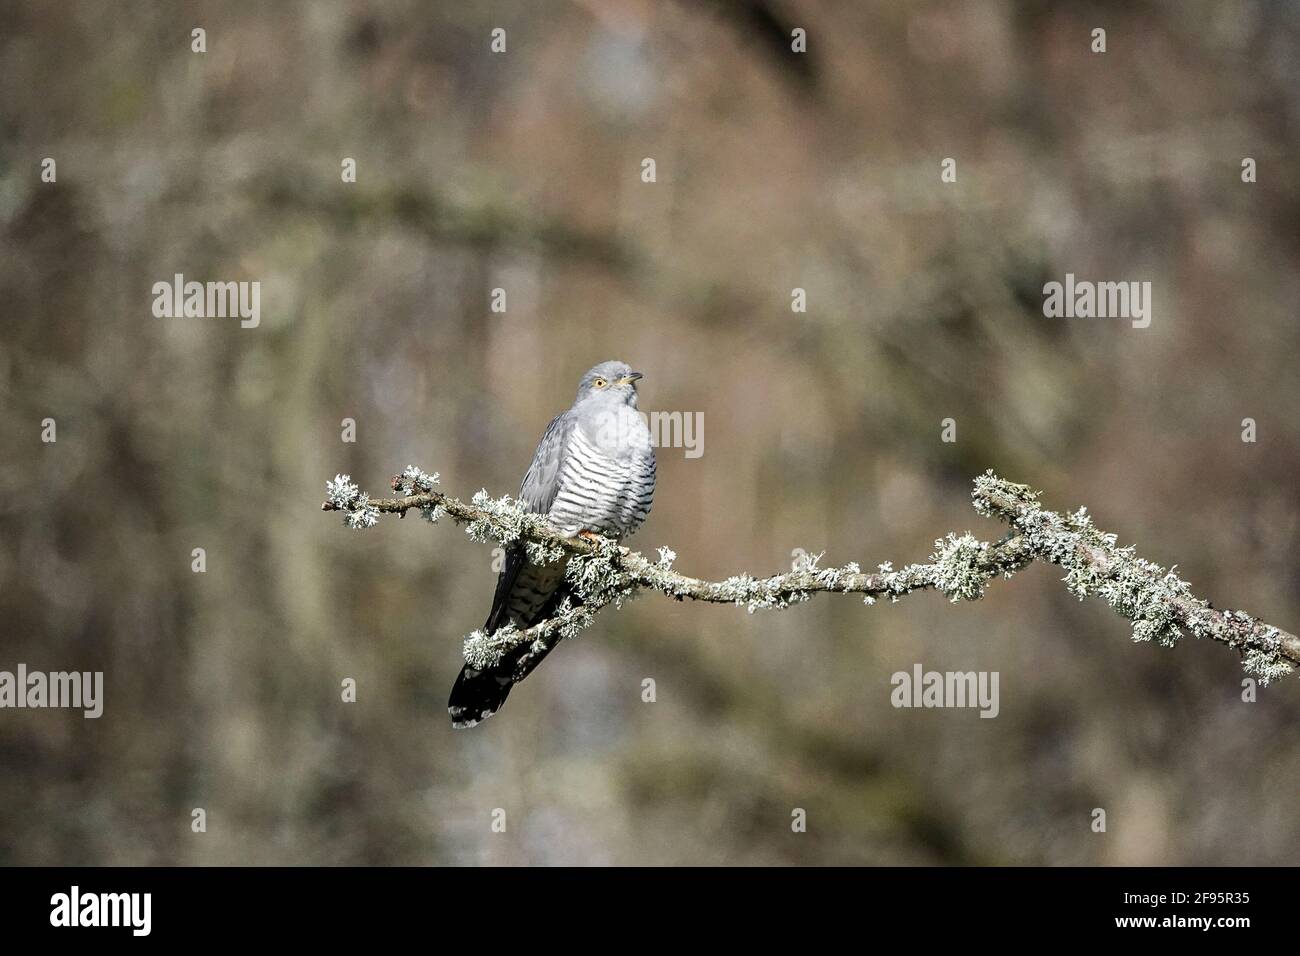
(478, 694)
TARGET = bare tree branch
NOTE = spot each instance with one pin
(1159, 604)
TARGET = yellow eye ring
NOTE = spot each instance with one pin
(600, 383)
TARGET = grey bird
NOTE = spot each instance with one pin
(593, 472)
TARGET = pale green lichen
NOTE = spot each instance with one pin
(1266, 664)
(343, 495)
(505, 520)
(413, 481)
(484, 651)
(500, 519)
(543, 552)
(806, 560)
(1159, 604)
(597, 579)
(959, 567)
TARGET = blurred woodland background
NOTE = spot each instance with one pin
(822, 430)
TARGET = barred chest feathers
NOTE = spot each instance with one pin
(608, 479)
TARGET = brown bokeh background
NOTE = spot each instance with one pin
(822, 430)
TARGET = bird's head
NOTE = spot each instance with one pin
(609, 382)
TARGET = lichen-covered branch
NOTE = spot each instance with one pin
(1159, 604)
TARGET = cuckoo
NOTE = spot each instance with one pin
(593, 473)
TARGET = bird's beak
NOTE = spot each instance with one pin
(629, 378)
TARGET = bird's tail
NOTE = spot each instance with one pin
(477, 695)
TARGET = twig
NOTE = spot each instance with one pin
(1159, 604)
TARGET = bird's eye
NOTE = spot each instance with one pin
(600, 383)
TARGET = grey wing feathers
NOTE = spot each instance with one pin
(542, 482)
(536, 494)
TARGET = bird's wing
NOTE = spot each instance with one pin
(524, 586)
(542, 482)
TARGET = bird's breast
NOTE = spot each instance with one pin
(616, 432)
(605, 487)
